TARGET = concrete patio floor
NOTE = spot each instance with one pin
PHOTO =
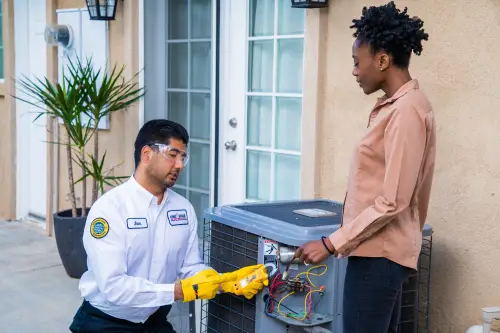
(37, 295)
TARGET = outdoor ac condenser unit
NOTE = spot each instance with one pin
(241, 235)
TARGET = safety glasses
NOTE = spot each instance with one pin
(170, 153)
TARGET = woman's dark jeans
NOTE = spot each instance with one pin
(372, 295)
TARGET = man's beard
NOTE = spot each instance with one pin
(168, 183)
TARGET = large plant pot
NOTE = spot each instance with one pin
(69, 231)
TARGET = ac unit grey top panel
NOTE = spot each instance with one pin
(288, 222)
(286, 212)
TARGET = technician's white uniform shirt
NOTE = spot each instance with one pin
(136, 250)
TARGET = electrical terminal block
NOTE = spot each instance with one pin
(296, 285)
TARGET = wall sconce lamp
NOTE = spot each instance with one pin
(102, 10)
(309, 3)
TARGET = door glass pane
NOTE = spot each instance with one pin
(287, 177)
(189, 67)
(181, 192)
(1, 28)
(177, 19)
(290, 58)
(261, 66)
(2, 74)
(200, 65)
(177, 65)
(201, 19)
(274, 100)
(200, 202)
(182, 179)
(288, 123)
(290, 20)
(199, 165)
(258, 176)
(259, 121)
(200, 116)
(261, 17)
(177, 107)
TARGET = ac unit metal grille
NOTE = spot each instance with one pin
(226, 249)
(416, 294)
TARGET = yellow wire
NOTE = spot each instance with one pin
(308, 272)
(281, 300)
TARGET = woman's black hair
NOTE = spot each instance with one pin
(392, 30)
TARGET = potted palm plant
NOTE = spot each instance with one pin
(80, 101)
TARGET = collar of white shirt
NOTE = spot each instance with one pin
(144, 196)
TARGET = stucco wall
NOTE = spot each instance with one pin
(118, 141)
(459, 73)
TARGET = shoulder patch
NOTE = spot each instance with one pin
(99, 228)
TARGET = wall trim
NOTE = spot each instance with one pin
(312, 102)
(52, 131)
(141, 59)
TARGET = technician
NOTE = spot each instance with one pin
(391, 174)
(140, 237)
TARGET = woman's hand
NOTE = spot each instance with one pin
(314, 252)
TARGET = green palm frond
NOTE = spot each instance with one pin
(83, 97)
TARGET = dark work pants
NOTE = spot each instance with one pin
(88, 319)
(372, 295)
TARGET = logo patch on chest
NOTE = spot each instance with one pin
(137, 223)
(177, 217)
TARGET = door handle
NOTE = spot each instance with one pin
(230, 145)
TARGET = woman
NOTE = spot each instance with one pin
(390, 178)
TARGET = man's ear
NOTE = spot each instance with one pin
(146, 154)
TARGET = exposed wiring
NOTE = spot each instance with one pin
(308, 272)
(278, 284)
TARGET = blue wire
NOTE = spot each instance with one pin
(267, 306)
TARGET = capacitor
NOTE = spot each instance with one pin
(286, 254)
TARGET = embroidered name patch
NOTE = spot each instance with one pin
(99, 228)
(177, 217)
(137, 223)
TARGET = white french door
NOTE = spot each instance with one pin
(29, 18)
(261, 63)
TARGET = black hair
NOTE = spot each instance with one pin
(392, 30)
(158, 131)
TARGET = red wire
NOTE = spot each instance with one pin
(272, 289)
(309, 302)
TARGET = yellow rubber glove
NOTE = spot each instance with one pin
(247, 285)
(203, 285)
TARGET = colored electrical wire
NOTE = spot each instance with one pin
(274, 290)
(308, 272)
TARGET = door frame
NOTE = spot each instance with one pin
(215, 105)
